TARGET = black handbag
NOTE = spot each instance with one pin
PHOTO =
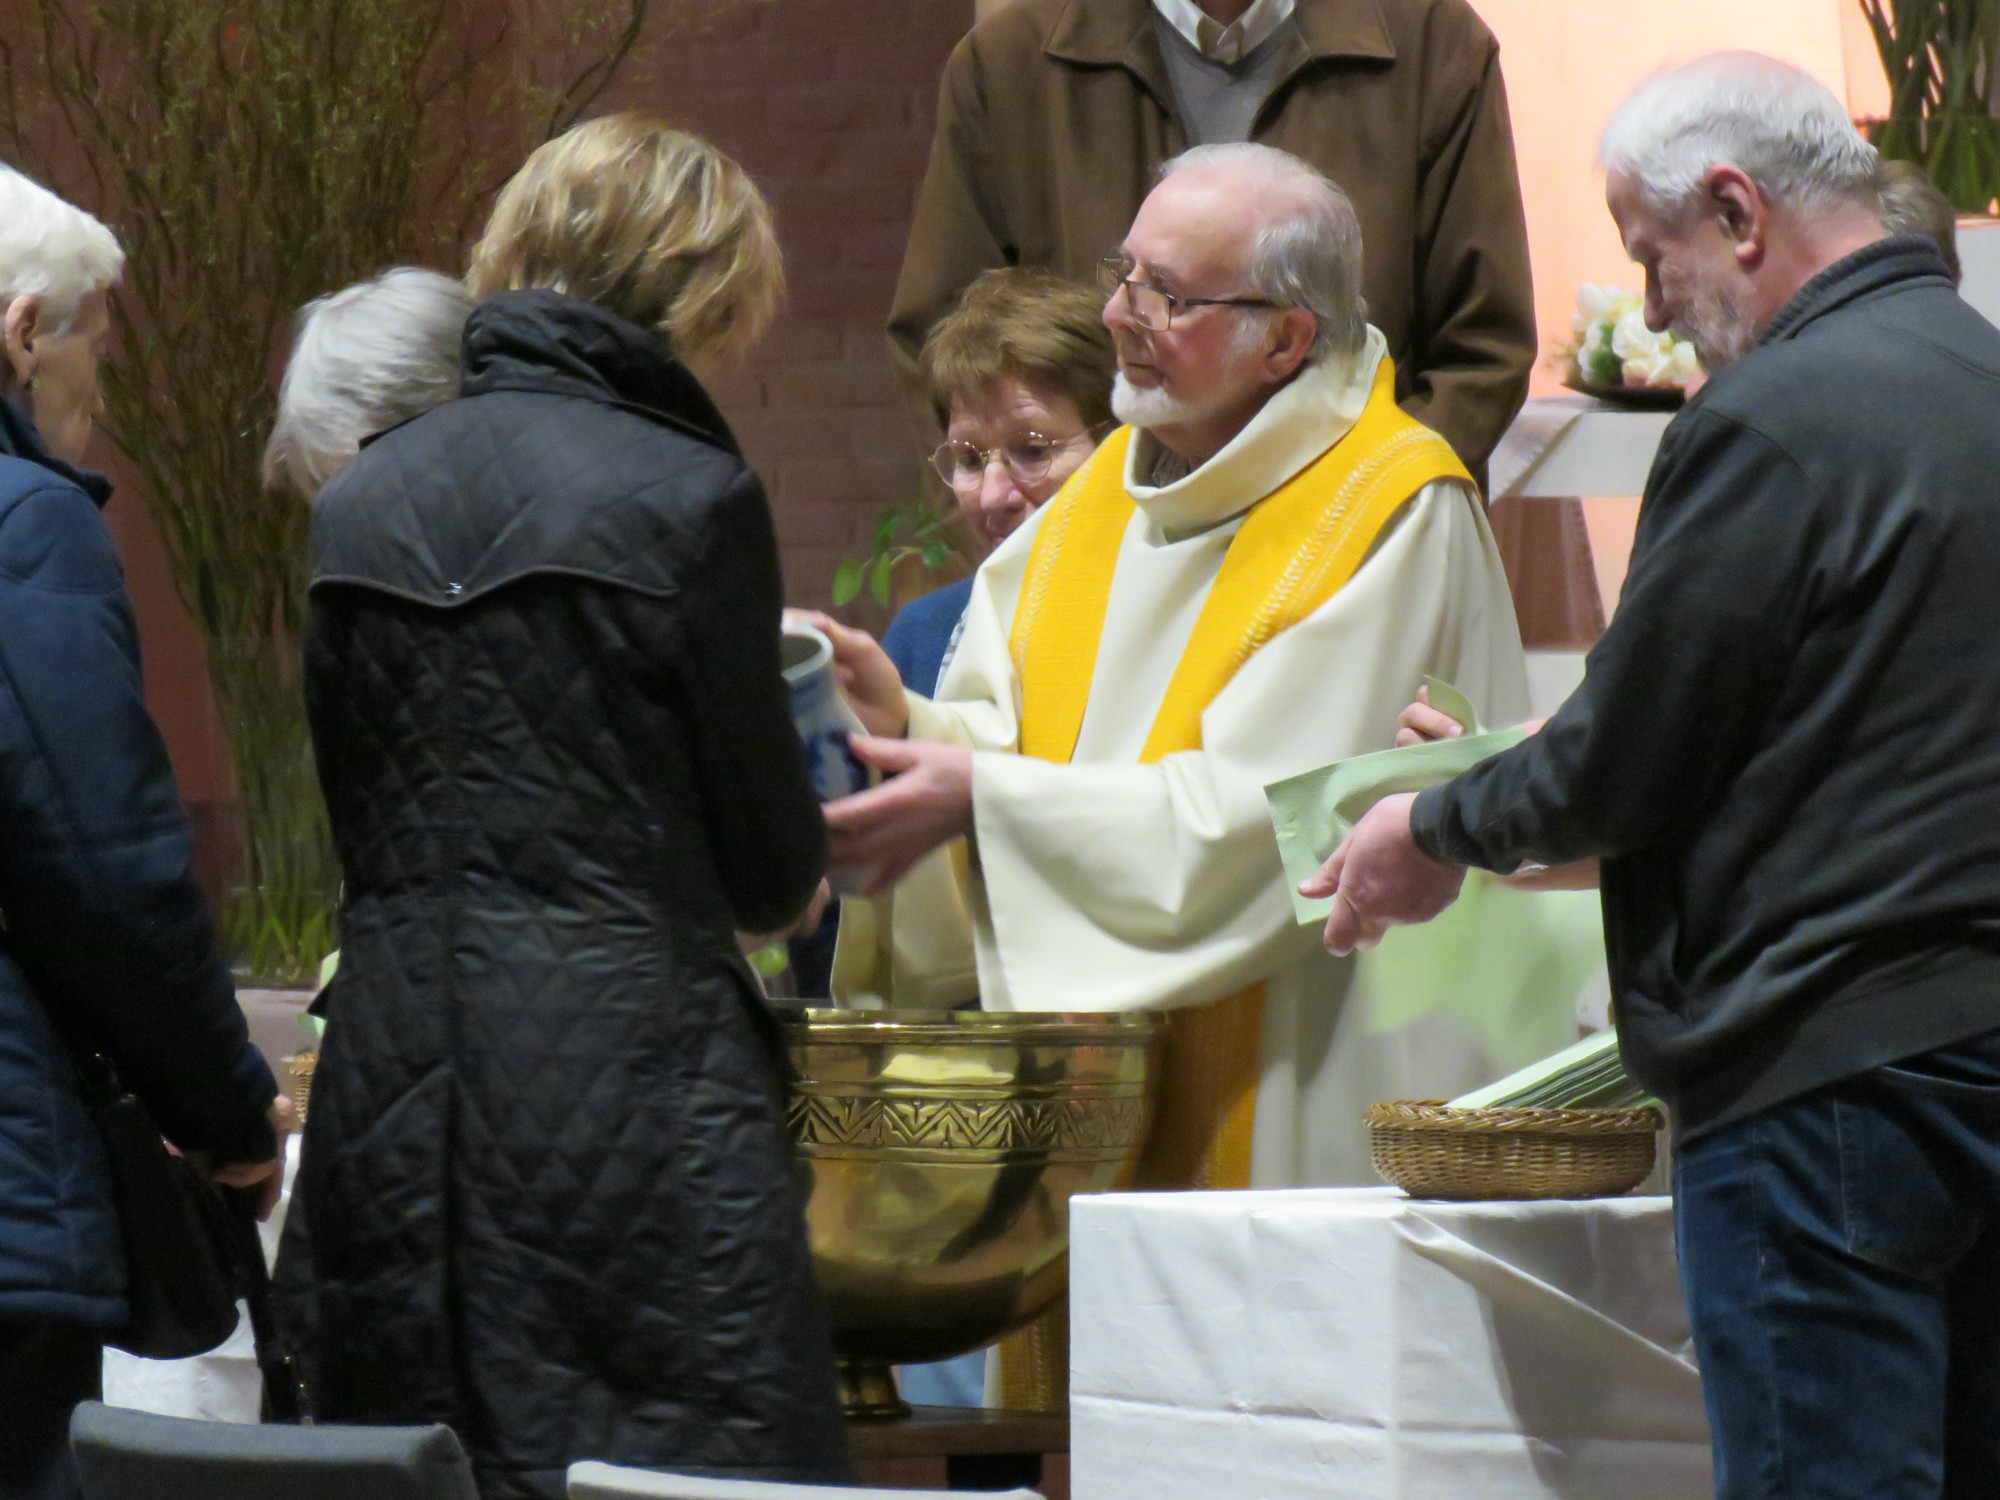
(180, 1272)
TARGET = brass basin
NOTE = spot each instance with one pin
(944, 1147)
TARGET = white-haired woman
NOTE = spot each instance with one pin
(106, 945)
(551, 1193)
(364, 360)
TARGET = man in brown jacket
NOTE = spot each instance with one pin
(1055, 116)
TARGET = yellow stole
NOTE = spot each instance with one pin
(1295, 549)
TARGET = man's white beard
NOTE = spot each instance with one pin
(1144, 406)
(1719, 324)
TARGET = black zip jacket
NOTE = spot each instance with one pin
(1786, 747)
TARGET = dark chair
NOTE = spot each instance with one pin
(131, 1455)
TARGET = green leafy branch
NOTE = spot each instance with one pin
(1940, 57)
(917, 529)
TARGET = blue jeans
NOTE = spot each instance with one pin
(1841, 1259)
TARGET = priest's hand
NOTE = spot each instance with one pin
(1420, 724)
(868, 679)
(1379, 879)
(876, 835)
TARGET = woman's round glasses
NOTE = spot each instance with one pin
(1027, 456)
(1152, 308)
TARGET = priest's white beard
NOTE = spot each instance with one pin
(1143, 406)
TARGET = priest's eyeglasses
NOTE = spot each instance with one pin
(1027, 456)
(1151, 307)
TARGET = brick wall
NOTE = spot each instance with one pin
(830, 105)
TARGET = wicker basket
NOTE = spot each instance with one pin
(1430, 1151)
(300, 1065)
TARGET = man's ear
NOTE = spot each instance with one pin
(1292, 331)
(19, 329)
(1739, 212)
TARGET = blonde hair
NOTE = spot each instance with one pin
(647, 221)
(1030, 326)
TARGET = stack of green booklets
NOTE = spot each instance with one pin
(1589, 1075)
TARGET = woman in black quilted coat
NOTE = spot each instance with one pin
(551, 1196)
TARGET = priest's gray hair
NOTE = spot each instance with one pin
(1306, 251)
(52, 251)
(1777, 124)
(364, 360)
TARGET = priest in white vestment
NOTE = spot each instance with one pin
(1104, 731)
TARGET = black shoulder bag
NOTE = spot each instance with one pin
(180, 1280)
(191, 1249)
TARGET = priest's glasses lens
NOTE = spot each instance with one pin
(1148, 306)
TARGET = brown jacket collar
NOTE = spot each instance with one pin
(1120, 33)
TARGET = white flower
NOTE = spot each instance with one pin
(1632, 339)
(1683, 363)
(1597, 301)
(1651, 368)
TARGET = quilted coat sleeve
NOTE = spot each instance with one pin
(763, 818)
(102, 913)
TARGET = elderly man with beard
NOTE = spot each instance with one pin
(1245, 581)
(1786, 755)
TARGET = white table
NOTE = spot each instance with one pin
(1354, 1343)
(1567, 445)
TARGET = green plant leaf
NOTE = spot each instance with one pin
(880, 577)
(848, 580)
(936, 554)
(1606, 368)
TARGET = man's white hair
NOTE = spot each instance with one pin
(1306, 249)
(364, 360)
(52, 251)
(1777, 124)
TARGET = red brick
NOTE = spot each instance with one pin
(809, 573)
(832, 105)
(874, 246)
(863, 155)
(816, 525)
(834, 385)
(777, 433)
(821, 205)
(794, 337)
(828, 23)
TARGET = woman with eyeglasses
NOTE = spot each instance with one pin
(1020, 374)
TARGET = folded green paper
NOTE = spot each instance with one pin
(1313, 812)
(1507, 963)
(1588, 1075)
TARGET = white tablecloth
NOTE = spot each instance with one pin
(223, 1385)
(1354, 1343)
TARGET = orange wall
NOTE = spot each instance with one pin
(1568, 63)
